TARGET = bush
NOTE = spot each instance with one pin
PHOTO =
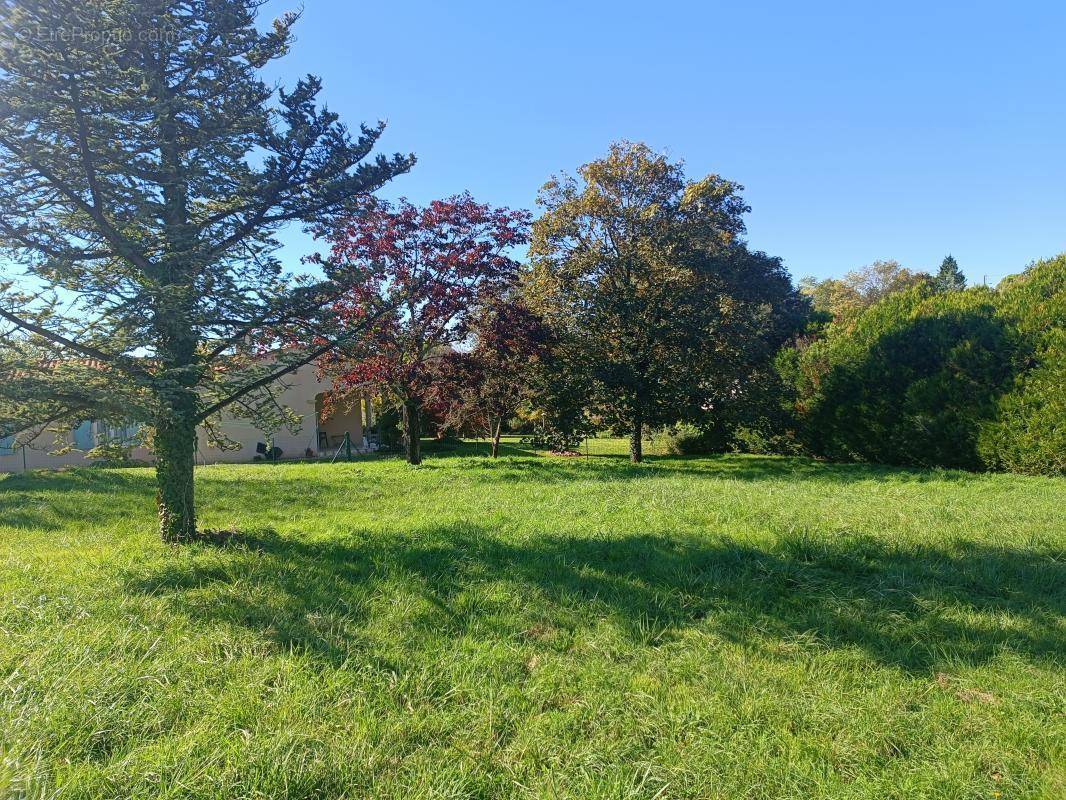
(970, 379)
(911, 380)
(763, 442)
(688, 440)
(1029, 432)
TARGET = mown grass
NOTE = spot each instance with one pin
(537, 627)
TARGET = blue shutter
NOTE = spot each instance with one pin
(7, 445)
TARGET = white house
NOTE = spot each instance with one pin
(319, 435)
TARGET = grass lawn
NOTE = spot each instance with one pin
(728, 627)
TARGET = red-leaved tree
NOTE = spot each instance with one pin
(483, 387)
(433, 266)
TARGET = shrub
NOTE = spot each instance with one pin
(557, 440)
(764, 442)
(911, 380)
(688, 440)
(1029, 432)
(971, 379)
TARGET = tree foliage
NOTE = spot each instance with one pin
(1029, 431)
(480, 389)
(968, 378)
(909, 381)
(841, 298)
(659, 304)
(144, 169)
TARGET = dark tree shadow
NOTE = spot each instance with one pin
(912, 608)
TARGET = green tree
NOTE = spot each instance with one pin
(144, 168)
(968, 378)
(949, 277)
(651, 290)
(861, 288)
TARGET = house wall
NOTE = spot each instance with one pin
(346, 418)
(37, 456)
(301, 395)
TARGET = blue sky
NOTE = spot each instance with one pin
(907, 131)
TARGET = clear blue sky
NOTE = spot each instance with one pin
(906, 132)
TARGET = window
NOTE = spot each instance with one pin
(7, 446)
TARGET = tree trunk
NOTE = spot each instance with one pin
(636, 452)
(175, 448)
(496, 438)
(412, 429)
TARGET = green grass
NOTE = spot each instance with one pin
(730, 627)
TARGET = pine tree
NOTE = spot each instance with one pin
(144, 170)
(949, 277)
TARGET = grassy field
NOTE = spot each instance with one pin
(537, 627)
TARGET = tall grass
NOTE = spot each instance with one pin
(536, 627)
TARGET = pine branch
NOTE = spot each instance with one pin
(123, 363)
(315, 353)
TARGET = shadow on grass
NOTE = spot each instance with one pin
(913, 608)
(523, 466)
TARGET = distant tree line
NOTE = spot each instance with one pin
(935, 374)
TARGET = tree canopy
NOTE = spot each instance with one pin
(432, 267)
(861, 288)
(660, 304)
(1029, 430)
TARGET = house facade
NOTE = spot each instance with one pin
(321, 434)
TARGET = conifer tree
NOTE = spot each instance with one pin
(949, 277)
(144, 170)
